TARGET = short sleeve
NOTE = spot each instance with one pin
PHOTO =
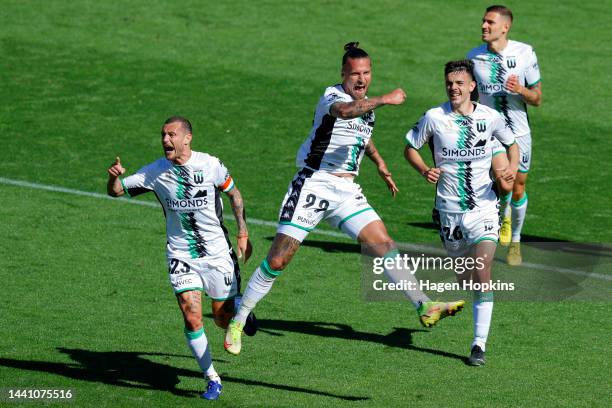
(331, 96)
(501, 131)
(223, 180)
(420, 133)
(140, 182)
(532, 72)
(497, 148)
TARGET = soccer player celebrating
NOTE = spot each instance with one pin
(200, 257)
(324, 189)
(463, 137)
(508, 80)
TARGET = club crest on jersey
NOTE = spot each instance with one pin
(511, 62)
(198, 177)
(368, 118)
(481, 125)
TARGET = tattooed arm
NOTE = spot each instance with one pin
(238, 210)
(384, 173)
(243, 243)
(354, 109)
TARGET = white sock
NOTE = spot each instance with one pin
(198, 343)
(519, 209)
(259, 285)
(504, 205)
(395, 275)
(483, 311)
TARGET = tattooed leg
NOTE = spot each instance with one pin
(282, 251)
(190, 303)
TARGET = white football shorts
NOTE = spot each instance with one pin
(459, 231)
(213, 275)
(314, 196)
(524, 144)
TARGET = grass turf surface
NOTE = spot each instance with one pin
(85, 299)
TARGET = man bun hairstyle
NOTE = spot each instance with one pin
(183, 121)
(501, 10)
(352, 51)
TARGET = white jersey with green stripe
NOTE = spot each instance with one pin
(335, 145)
(189, 195)
(491, 71)
(462, 148)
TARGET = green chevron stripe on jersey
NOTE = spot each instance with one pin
(463, 170)
(498, 75)
(190, 236)
(180, 186)
(496, 68)
(355, 152)
(188, 223)
(463, 132)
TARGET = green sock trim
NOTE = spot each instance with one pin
(483, 296)
(392, 253)
(194, 335)
(268, 271)
(520, 202)
(505, 198)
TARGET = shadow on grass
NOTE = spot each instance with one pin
(399, 337)
(134, 370)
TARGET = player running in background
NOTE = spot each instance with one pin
(200, 257)
(508, 80)
(463, 136)
(324, 189)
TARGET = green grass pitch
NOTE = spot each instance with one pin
(85, 302)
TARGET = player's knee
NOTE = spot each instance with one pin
(193, 323)
(222, 312)
(387, 244)
(518, 191)
(378, 239)
(277, 263)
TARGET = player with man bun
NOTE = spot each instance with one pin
(324, 189)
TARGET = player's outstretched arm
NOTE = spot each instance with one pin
(350, 110)
(113, 186)
(431, 174)
(244, 245)
(531, 95)
(372, 153)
